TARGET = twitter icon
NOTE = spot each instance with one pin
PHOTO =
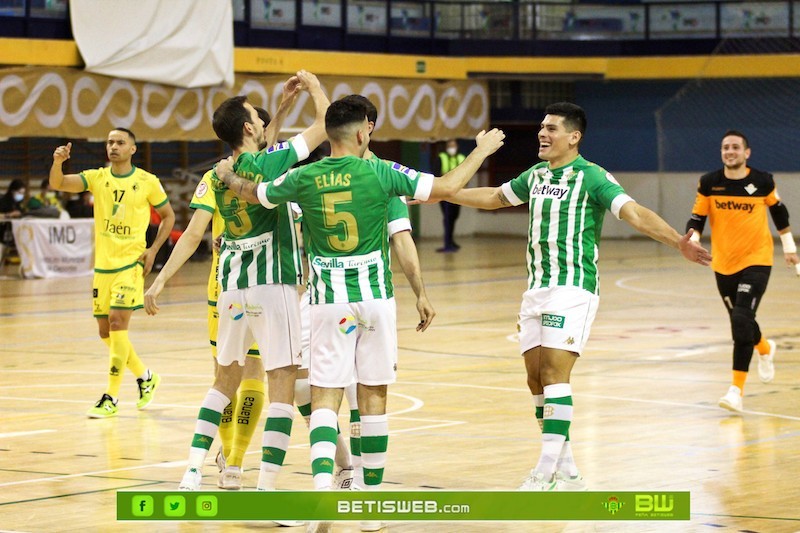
(174, 506)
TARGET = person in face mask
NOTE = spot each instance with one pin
(447, 161)
(46, 204)
(11, 202)
(10, 207)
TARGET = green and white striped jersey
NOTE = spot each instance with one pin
(345, 203)
(259, 246)
(567, 206)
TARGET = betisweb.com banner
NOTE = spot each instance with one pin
(73, 104)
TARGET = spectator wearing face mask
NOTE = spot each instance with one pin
(447, 161)
(46, 204)
(11, 203)
(10, 207)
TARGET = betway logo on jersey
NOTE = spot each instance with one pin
(556, 192)
(733, 205)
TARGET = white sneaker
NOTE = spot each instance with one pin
(319, 527)
(567, 483)
(230, 478)
(342, 479)
(766, 364)
(192, 479)
(289, 523)
(536, 482)
(220, 460)
(373, 525)
(732, 401)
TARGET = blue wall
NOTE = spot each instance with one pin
(623, 134)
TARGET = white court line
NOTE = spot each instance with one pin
(622, 283)
(601, 397)
(25, 433)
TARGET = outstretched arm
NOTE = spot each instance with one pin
(60, 181)
(405, 251)
(649, 223)
(455, 180)
(183, 250)
(481, 198)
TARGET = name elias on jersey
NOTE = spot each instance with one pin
(734, 206)
(549, 191)
(332, 180)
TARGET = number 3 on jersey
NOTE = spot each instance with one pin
(342, 219)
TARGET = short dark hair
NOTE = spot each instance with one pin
(129, 132)
(574, 115)
(372, 111)
(737, 133)
(15, 185)
(45, 183)
(263, 115)
(341, 114)
(229, 119)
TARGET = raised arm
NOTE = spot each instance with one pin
(405, 251)
(181, 253)
(60, 181)
(455, 180)
(649, 223)
(315, 134)
(291, 88)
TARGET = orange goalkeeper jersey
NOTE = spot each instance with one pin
(737, 212)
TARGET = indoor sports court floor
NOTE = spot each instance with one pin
(646, 391)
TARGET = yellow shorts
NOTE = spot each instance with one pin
(213, 328)
(123, 289)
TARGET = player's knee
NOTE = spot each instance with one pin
(743, 325)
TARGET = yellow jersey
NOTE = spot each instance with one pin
(121, 214)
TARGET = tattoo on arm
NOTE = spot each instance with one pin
(503, 200)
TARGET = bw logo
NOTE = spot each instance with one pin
(370, 474)
(114, 371)
(570, 341)
(548, 411)
(204, 439)
(266, 452)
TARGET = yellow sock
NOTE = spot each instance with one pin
(135, 364)
(739, 378)
(106, 340)
(762, 346)
(249, 404)
(119, 347)
(226, 429)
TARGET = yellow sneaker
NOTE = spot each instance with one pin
(147, 389)
(105, 408)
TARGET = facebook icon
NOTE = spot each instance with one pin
(142, 506)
